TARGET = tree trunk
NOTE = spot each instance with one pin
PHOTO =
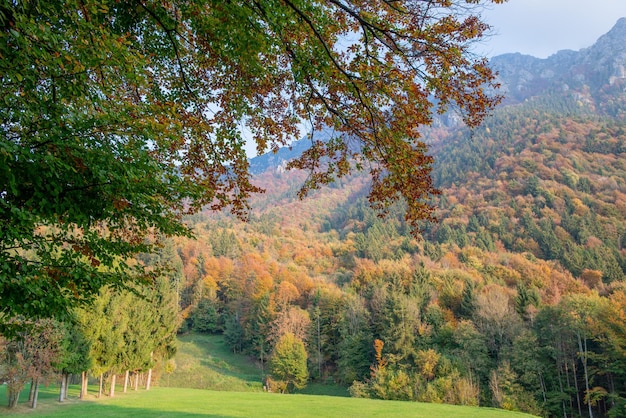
(14, 396)
(558, 368)
(83, 385)
(112, 393)
(585, 353)
(66, 386)
(126, 380)
(63, 387)
(612, 388)
(36, 394)
(101, 384)
(149, 379)
(136, 380)
(543, 387)
(319, 346)
(575, 373)
(31, 393)
(68, 379)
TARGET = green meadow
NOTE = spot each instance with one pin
(206, 362)
(182, 402)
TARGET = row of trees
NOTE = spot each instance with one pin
(122, 333)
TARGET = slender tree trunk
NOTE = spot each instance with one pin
(575, 372)
(584, 353)
(66, 385)
(83, 385)
(612, 388)
(126, 380)
(14, 397)
(31, 393)
(68, 379)
(62, 387)
(101, 385)
(136, 380)
(569, 388)
(36, 394)
(543, 387)
(112, 393)
(559, 372)
(319, 346)
(149, 379)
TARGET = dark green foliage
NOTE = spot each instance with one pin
(355, 344)
(468, 300)
(75, 350)
(525, 300)
(205, 317)
(233, 333)
(224, 244)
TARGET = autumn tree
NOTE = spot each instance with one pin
(118, 117)
(288, 362)
(31, 354)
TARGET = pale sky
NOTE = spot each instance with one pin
(543, 27)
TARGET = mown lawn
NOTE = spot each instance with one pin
(177, 402)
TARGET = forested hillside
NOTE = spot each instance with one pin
(515, 298)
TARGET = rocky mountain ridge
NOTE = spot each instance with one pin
(594, 79)
(599, 67)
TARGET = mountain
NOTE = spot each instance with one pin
(589, 73)
(544, 175)
(279, 159)
(591, 81)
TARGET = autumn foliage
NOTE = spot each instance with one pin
(119, 117)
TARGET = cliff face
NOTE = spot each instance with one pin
(599, 69)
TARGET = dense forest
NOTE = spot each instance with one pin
(515, 298)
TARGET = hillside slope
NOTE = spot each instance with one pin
(516, 298)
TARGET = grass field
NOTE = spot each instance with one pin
(188, 403)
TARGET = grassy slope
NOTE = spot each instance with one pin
(206, 362)
(177, 402)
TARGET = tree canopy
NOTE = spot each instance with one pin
(117, 118)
